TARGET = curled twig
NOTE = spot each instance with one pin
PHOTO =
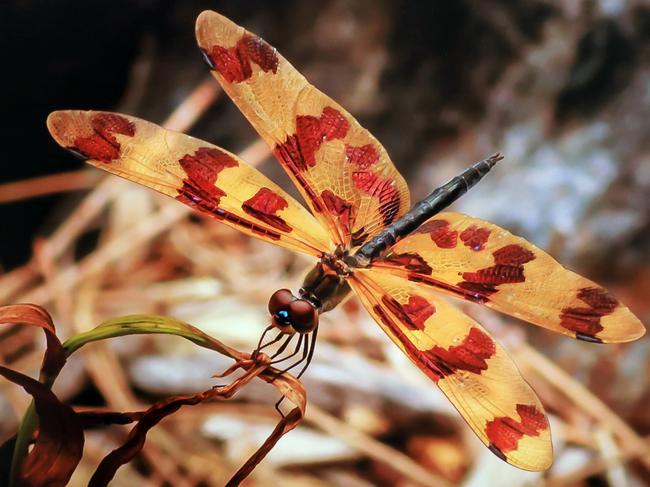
(59, 445)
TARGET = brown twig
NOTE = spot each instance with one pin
(181, 119)
(50, 184)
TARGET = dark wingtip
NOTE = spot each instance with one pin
(79, 155)
(497, 452)
(588, 338)
(207, 59)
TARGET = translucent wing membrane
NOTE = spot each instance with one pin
(342, 171)
(473, 371)
(207, 178)
(482, 262)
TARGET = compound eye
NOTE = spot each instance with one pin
(280, 300)
(303, 316)
(282, 320)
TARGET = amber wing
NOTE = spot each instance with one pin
(479, 261)
(207, 178)
(473, 371)
(342, 171)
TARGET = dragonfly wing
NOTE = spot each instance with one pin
(205, 177)
(482, 262)
(470, 368)
(342, 171)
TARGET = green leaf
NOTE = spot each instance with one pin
(148, 324)
(126, 325)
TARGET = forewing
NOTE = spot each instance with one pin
(207, 178)
(473, 371)
(342, 171)
(482, 262)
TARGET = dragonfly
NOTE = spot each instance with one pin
(365, 236)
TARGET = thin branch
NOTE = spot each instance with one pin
(50, 184)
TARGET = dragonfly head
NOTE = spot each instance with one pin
(292, 314)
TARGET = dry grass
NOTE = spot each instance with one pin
(147, 259)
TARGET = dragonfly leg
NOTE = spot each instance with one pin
(261, 347)
(312, 347)
(307, 355)
(282, 347)
(292, 354)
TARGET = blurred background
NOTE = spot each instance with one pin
(560, 87)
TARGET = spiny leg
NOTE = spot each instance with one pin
(282, 347)
(259, 347)
(312, 347)
(307, 354)
(293, 354)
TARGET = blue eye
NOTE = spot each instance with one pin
(283, 316)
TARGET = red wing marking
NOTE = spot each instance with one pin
(300, 149)
(317, 142)
(221, 214)
(504, 432)
(234, 63)
(428, 366)
(416, 276)
(202, 169)
(102, 145)
(491, 266)
(440, 232)
(205, 164)
(467, 364)
(475, 237)
(383, 189)
(412, 314)
(585, 321)
(364, 156)
(207, 178)
(409, 261)
(509, 268)
(338, 206)
(264, 206)
(289, 152)
(471, 355)
(512, 255)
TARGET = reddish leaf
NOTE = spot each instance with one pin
(53, 361)
(135, 441)
(90, 419)
(6, 451)
(59, 443)
(290, 387)
(33, 315)
(286, 424)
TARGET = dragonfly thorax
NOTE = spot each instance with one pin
(325, 285)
